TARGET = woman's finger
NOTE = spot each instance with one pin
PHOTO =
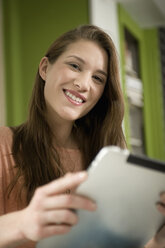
(59, 217)
(162, 197)
(61, 185)
(71, 201)
(160, 237)
(48, 231)
(161, 207)
(161, 204)
(51, 230)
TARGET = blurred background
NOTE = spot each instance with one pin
(137, 27)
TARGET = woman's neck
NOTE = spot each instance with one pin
(62, 130)
(63, 137)
(63, 134)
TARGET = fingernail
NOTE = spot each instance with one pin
(82, 174)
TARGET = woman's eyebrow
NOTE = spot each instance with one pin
(82, 61)
(74, 56)
(102, 72)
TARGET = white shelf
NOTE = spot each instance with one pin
(136, 142)
(134, 89)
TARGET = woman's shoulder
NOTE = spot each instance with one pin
(6, 159)
(6, 136)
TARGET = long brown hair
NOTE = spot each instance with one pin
(33, 150)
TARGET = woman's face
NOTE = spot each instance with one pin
(76, 81)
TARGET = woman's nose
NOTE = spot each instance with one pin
(82, 82)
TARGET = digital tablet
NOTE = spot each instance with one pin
(126, 188)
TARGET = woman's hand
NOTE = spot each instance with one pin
(159, 240)
(51, 210)
(160, 236)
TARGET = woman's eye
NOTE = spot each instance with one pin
(75, 66)
(98, 79)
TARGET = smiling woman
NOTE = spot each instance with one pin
(82, 69)
(76, 109)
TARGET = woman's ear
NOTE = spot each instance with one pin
(43, 67)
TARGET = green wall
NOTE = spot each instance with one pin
(30, 26)
(150, 71)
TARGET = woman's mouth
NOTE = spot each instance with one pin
(73, 97)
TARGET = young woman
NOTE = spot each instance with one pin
(76, 109)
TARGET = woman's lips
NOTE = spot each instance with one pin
(74, 97)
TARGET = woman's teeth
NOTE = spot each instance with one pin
(77, 99)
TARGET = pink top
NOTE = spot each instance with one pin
(70, 158)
